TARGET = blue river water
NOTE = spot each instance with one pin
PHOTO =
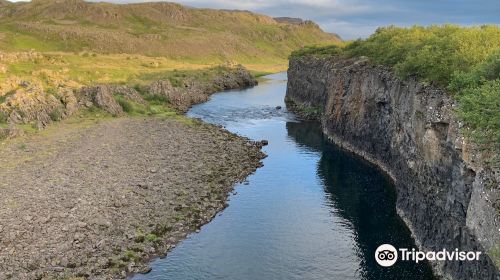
(312, 212)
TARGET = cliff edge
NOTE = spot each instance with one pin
(446, 194)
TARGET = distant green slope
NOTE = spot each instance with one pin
(155, 29)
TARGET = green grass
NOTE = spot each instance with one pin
(495, 255)
(151, 237)
(56, 115)
(29, 128)
(130, 255)
(156, 106)
(200, 36)
(465, 60)
(318, 51)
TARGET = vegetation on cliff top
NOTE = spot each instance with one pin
(465, 60)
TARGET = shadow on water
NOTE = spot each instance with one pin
(312, 212)
(361, 194)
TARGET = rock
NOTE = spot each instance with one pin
(278, 107)
(144, 269)
(30, 103)
(180, 98)
(11, 132)
(100, 96)
(237, 77)
(70, 186)
(410, 131)
(64, 262)
(81, 224)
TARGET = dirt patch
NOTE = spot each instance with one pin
(100, 202)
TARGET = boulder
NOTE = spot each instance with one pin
(238, 77)
(29, 104)
(102, 96)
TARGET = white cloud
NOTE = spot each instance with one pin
(350, 30)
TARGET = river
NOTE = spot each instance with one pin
(312, 212)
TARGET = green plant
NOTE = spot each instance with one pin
(431, 53)
(56, 115)
(3, 118)
(318, 51)
(465, 60)
(129, 255)
(156, 98)
(151, 237)
(125, 104)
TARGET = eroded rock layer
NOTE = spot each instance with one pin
(446, 194)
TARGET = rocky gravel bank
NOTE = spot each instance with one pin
(100, 202)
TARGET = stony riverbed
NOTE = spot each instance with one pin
(100, 202)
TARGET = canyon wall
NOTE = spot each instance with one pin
(446, 195)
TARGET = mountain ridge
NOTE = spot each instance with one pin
(154, 28)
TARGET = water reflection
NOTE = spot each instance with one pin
(312, 211)
(365, 197)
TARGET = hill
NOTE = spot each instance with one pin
(154, 29)
(50, 49)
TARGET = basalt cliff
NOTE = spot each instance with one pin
(446, 193)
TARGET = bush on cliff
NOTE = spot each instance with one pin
(478, 93)
(432, 53)
(466, 60)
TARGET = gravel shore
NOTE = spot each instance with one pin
(100, 202)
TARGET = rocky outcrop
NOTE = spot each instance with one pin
(180, 98)
(446, 194)
(29, 103)
(238, 77)
(195, 91)
(103, 97)
(23, 102)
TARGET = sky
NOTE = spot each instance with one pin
(353, 19)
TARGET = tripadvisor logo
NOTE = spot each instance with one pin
(386, 255)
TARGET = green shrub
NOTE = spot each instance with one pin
(177, 80)
(318, 51)
(56, 115)
(151, 237)
(125, 104)
(130, 255)
(480, 108)
(466, 60)
(156, 98)
(431, 53)
(3, 118)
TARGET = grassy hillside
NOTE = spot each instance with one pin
(153, 29)
(51, 47)
(465, 60)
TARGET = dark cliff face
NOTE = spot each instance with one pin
(445, 195)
